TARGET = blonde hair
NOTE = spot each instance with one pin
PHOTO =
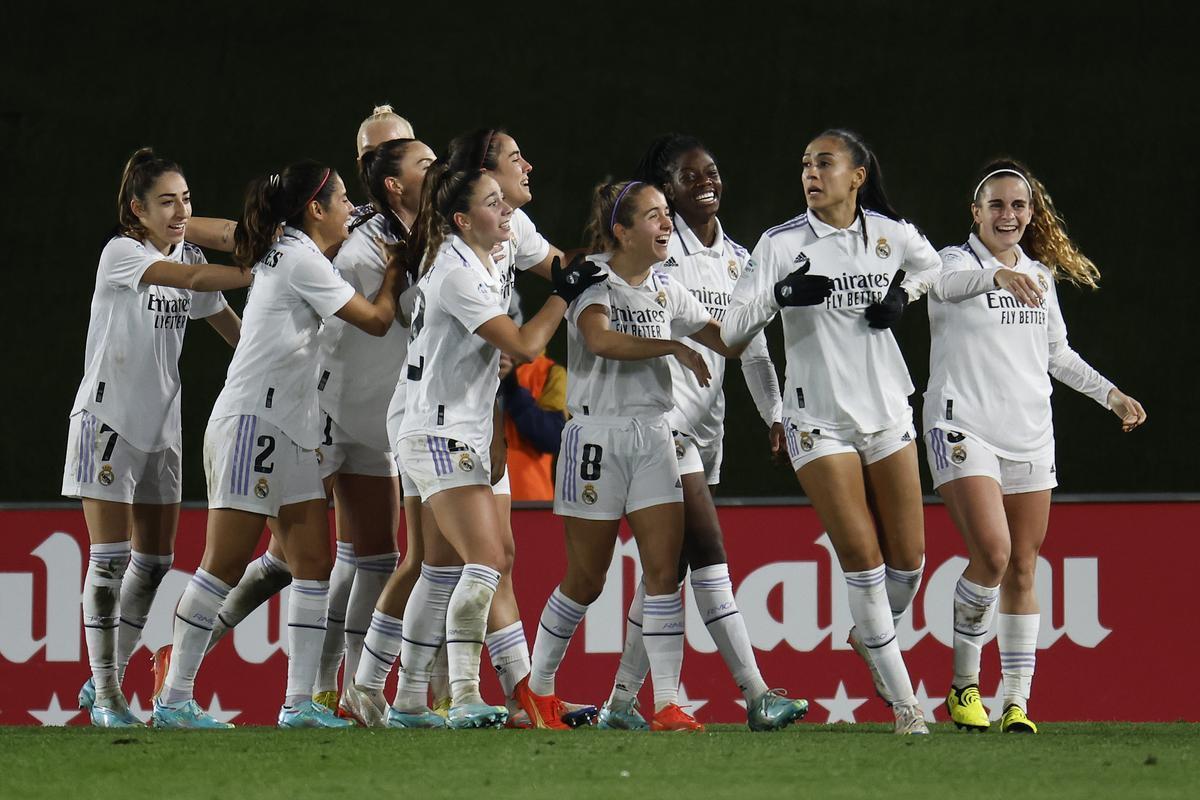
(1046, 239)
(381, 113)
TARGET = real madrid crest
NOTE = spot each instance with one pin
(958, 454)
(1042, 282)
(661, 299)
(465, 463)
(262, 488)
(589, 494)
(806, 441)
(106, 476)
(882, 248)
(733, 270)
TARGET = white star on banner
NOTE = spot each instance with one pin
(929, 705)
(54, 714)
(135, 708)
(995, 703)
(684, 701)
(841, 706)
(221, 714)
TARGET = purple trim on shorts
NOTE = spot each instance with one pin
(570, 487)
(937, 441)
(440, 453)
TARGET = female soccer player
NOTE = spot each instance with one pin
(123, 450)
(707, 262)
(835, 275)
(998, 336)
(459, 328)
(262, 436)
(617, 457)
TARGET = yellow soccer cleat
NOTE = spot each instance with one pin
(966, 709)
(1015, 721)
(442, 707)
(329, 699)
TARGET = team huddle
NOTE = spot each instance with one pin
(366, 370)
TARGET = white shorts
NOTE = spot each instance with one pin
(435, 463)
(954, 455)
(253, 466)
(806, 445)
(409, 488)
(341, 452)
(101, 465)
(694, 457)
(611, 467)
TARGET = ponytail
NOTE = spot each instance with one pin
(381, 113)
(279, 199)
(476, 150)
(377, 166)
(612, 204)
(871, 195)
(141, 171)
(445, 192)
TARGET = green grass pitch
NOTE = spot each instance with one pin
(1084, 760)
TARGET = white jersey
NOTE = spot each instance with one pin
(842, 376)
(525, 248)
(273, 374)
(135, 334)
(658, 308)
(358, 372)
(710, 274)
(990, 355)
(452, 375)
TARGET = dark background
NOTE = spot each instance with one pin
(1099, 101)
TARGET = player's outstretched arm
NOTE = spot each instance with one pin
(202, 277)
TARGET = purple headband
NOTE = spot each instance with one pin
(612, 221)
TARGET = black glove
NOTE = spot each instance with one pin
(887, 312)
(571, 282)
(801, 289)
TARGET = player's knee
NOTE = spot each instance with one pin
(995, 561)
(660, 580)
(1020, 574)
(582, 588)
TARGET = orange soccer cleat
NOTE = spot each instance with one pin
(674, 718)
(160, 662)
(545, 711)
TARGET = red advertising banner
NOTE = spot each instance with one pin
(1099, 580)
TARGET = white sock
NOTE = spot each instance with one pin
(560, 618)
(424, 634)
(264, 578)
(102, 612)
(369, 579)
(974, 608)
(872, 615)
(194, 619)
(381, 647)
(635, 664)
(341, 578)
(466, 626)
(713, 592)
(1017, 635)
(509, 654)
(662, 632)
(307, 608)
(145, 573)
(902, 586)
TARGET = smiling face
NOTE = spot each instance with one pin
(830, 177)
(329, 222)
(645, 239)
(512, 171)
(695, 187)
(165, 210)
(486, 223)
(1002, 211)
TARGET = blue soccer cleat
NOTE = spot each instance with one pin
(426, 719)
(308, 714)
(622, 717)
(188, 716)
(113, 712)
(773, 711)
(87, 695)
(477, 715)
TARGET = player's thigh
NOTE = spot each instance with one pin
(835, 485)
(469, 521)
(1028, 515)
(230, 539)
(659, 534)
(977, 508)
(367, 510)
(894, 491)
(107, 521)
(304, 529)
(155, 527)
(589, 545)
(703, 544)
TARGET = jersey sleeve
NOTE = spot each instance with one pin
(752, 305)
(205, 304)
(960, 277)
(468, 299)
(688, 314)
(594, 295)
(761, 380)
(530, 247)
(921, 262)
(124, 262)
(320, 285)
(1067, 366)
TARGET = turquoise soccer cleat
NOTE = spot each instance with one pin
(773, 711)
(621, 717)
(188, 716)
(113, 712)
(477, 715)
(426, 719)
(311, 715)
(87, 695)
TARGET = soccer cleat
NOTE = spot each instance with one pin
(576, 715)
(545, 711)
(422, 719)
(186, 716)
(477, 715)
(1015, 721)
(621, 717)
(518, 719)
(865, 654)
(113, 712)
(87, 695)
(674, 718)
(442, 707)
(367, 708)
(160, 662)
(773, 711)
(329, 699)
(308, 714)
(910, 720)
(966, 709)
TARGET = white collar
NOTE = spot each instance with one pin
(455, 243)
(303, 238)
(603, 259)
(989, 261)
(822, 229)
(691, 243)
